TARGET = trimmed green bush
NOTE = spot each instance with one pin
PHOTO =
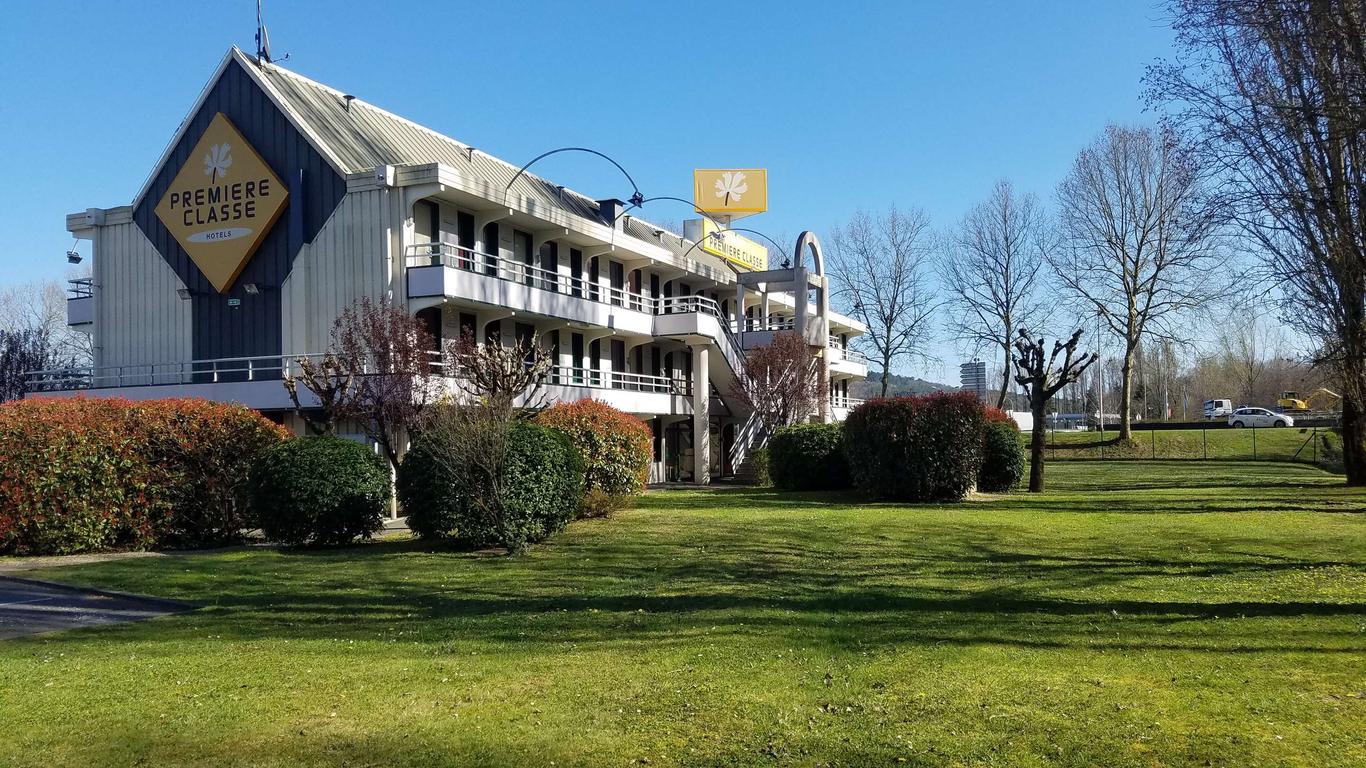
(428, 489)
(915, 448)
(448, 493)
(759, 462)
(1003, 458)
(320, 491)
(808, 457)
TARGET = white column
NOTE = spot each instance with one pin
(701, 417)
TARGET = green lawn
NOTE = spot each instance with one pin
(1283, 444)
(1139, 614)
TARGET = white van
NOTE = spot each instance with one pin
(1218, 409)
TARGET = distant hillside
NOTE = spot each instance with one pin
(899, 385)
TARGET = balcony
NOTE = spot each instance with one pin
(256, 382)
(448, 270)
(80, 302)
(840, 406)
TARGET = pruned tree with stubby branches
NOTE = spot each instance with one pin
(382, 369)
(1273, 93)
(780, 381)
(329, 378)
(1034, 370)
(497, 376)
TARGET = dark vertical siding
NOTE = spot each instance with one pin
(252, 329)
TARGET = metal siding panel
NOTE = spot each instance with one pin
(253, 329)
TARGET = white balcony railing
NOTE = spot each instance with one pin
(840, 401)
(511, 270)
(265, 369)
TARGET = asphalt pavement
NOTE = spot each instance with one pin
(29, 607)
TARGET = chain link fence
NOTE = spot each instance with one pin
(1199, 442)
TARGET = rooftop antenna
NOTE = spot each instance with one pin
(263, 39)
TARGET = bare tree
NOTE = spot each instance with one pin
(1273, 90)
(991, 268)
(878, 267)
(1041, 382)
(496, 375)
(329, 378)
(1137, 241)
(40, 307)
(381, 369)
(780, 381)
(1250, 347)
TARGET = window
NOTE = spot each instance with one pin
(576, 356)
(576, 270)
(617, 274)
(521, 252)
(550, 262)
(464, 229)
(491, 248)
(467, 322)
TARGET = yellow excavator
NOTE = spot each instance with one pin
(1321, 399)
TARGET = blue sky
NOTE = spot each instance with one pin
(850, 105)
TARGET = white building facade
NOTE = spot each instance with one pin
(377, 206)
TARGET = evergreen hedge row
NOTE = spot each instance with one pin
(916, 448)
(83, 474)
(808, 457)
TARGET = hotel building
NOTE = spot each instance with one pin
(280, 201)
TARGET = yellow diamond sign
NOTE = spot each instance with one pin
(222, 203)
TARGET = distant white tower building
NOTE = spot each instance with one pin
(973, 378)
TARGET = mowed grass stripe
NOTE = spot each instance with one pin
(1139, 613)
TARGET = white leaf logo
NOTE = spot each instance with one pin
(731, 185)
(218, 161)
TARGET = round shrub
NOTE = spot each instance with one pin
(321, 491)
(1003, 457)
(915, 448)
(615, 446)
(84, 474)
(808, 457)
(759, 464)
(429, 490)
(484, 482)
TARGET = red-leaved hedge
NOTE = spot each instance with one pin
(916, 448)
(86, 474)
(615, 446)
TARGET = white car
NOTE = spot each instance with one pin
(1218, 409)
(1259, 417)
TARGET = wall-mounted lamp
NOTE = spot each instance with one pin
(73, 257)
(252, 289)
(184, 293)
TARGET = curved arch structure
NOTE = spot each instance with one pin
(808, 242)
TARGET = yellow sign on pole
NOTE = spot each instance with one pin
(731, 192)
(222, 203)
(731, 246)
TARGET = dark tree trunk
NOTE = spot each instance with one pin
(1126, 393)
(886, 373)
(1005, 376)
(1353, 440)
(1037, 442)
